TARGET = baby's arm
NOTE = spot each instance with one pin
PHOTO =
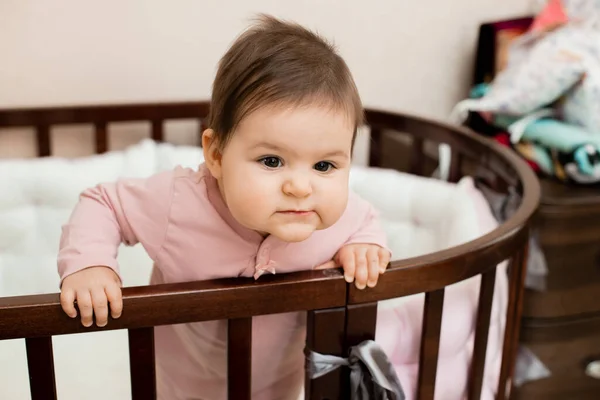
(365, 255)
(129, 211)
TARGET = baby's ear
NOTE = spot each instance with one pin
(212, 152)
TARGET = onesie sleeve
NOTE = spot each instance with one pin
(369, 229)
(128, 211)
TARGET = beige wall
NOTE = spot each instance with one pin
(412, 56)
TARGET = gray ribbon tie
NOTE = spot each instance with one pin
(372, 376)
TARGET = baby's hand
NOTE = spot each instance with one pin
(93, 288)
(362, 263)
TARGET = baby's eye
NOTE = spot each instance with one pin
(271, 162)
(323, 166)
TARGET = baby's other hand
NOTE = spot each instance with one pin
(362, 263)
(93, 288)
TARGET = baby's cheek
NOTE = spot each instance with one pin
(247, 198)
(332, 203)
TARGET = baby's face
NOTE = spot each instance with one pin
(285, 170)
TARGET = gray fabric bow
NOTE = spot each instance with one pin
(372, 376)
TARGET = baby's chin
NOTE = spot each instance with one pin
(292, 233)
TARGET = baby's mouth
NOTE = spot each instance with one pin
(299, 213)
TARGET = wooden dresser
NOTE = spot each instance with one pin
(562, 324)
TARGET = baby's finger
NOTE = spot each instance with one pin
(100, 307)
(346, 259)
(115, 298)
(384, 259)
(373, 265)
(327, 265)
(362, 268)
(67, 302)
(84, 302)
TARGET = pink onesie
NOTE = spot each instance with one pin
(182, 222)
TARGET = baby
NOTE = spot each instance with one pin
(272, 196)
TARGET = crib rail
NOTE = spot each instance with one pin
(43, 119)
(168, 304)
(39, 317)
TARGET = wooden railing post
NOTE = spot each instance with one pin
(375, 147)
(101, 137)
(430, 344)
(239, 359)
(325, 335)
(482, 329)
(517, 271)
(40, 363)
(141, 364)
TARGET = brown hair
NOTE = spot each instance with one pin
(279, 63)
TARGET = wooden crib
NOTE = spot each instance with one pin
(339, 315)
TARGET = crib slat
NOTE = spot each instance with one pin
(360, 323)
(40, 363)
(516, 284)
(375, 147)
(239, 359)
(417, 156)
(482, 328)
(430, 343)
(43, 140)
(101, 137)
(361, 320)
(141, 364)
(157, 130)
(325, 335)
(454, 173)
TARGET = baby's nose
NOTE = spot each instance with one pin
(297, 187)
